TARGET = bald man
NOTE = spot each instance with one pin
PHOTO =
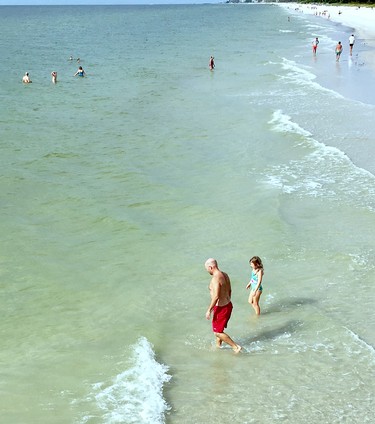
(221, 305)
(26, 78)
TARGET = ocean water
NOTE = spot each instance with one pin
(116, 187)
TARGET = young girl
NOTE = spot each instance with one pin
(80, 72)
(255, 283)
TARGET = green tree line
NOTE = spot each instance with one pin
(336, 2)
(333, 2)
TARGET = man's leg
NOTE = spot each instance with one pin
(223, 337)
(218, 341)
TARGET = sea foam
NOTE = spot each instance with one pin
(136, 394)
(303, 77)
(347, 179)
(283, 123)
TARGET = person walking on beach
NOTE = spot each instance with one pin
(220, 305)
(26, 78)
(351, 44)
(255, 283)
(80, 72)
(211, 63)
(338, 51)
(54, 77)
(315, 45)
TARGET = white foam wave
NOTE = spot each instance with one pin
(295, 70)
(135, 395)
(348, 182)
(362, 342)
(303, 77)
(314, 26)
(362, 261)
(283, 123)
(330, 171)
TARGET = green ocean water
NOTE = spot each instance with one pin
(116, 187)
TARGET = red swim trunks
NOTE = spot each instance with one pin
(221, 317)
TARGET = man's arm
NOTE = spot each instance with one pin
(215, 294)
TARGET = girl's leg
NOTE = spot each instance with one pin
(253, 302)
(256, 298)
(251, 298)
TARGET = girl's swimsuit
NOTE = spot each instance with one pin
(254, 281)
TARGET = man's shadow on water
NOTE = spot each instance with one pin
(287, 304)
(289, 327)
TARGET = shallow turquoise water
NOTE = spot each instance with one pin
(115, 188)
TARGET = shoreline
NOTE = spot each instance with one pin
(360, 19)
(360, 22)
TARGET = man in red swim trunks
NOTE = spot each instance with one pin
(221, 305)
(315, 45)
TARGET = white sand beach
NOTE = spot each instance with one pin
(360, 19)
(351, 78)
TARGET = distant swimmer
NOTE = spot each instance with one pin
(351, 44)
(26, 78)
(71, 57)
(80, 72)
(255, 283)
(221, 305)
(54, 77)
(338, 51)
(315, 45)
(211, 63)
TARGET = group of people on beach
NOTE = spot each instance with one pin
(338, 49)
(80, 72)
(221, 304)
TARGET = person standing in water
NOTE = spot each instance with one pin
(211, 63)
(351, 44)
(54, 77)
(220, 305)
(26, 78)
(80, 72)
(315, 45)
(338, 51)
(255, 283)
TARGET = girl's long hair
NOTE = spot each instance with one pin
(256, 261)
